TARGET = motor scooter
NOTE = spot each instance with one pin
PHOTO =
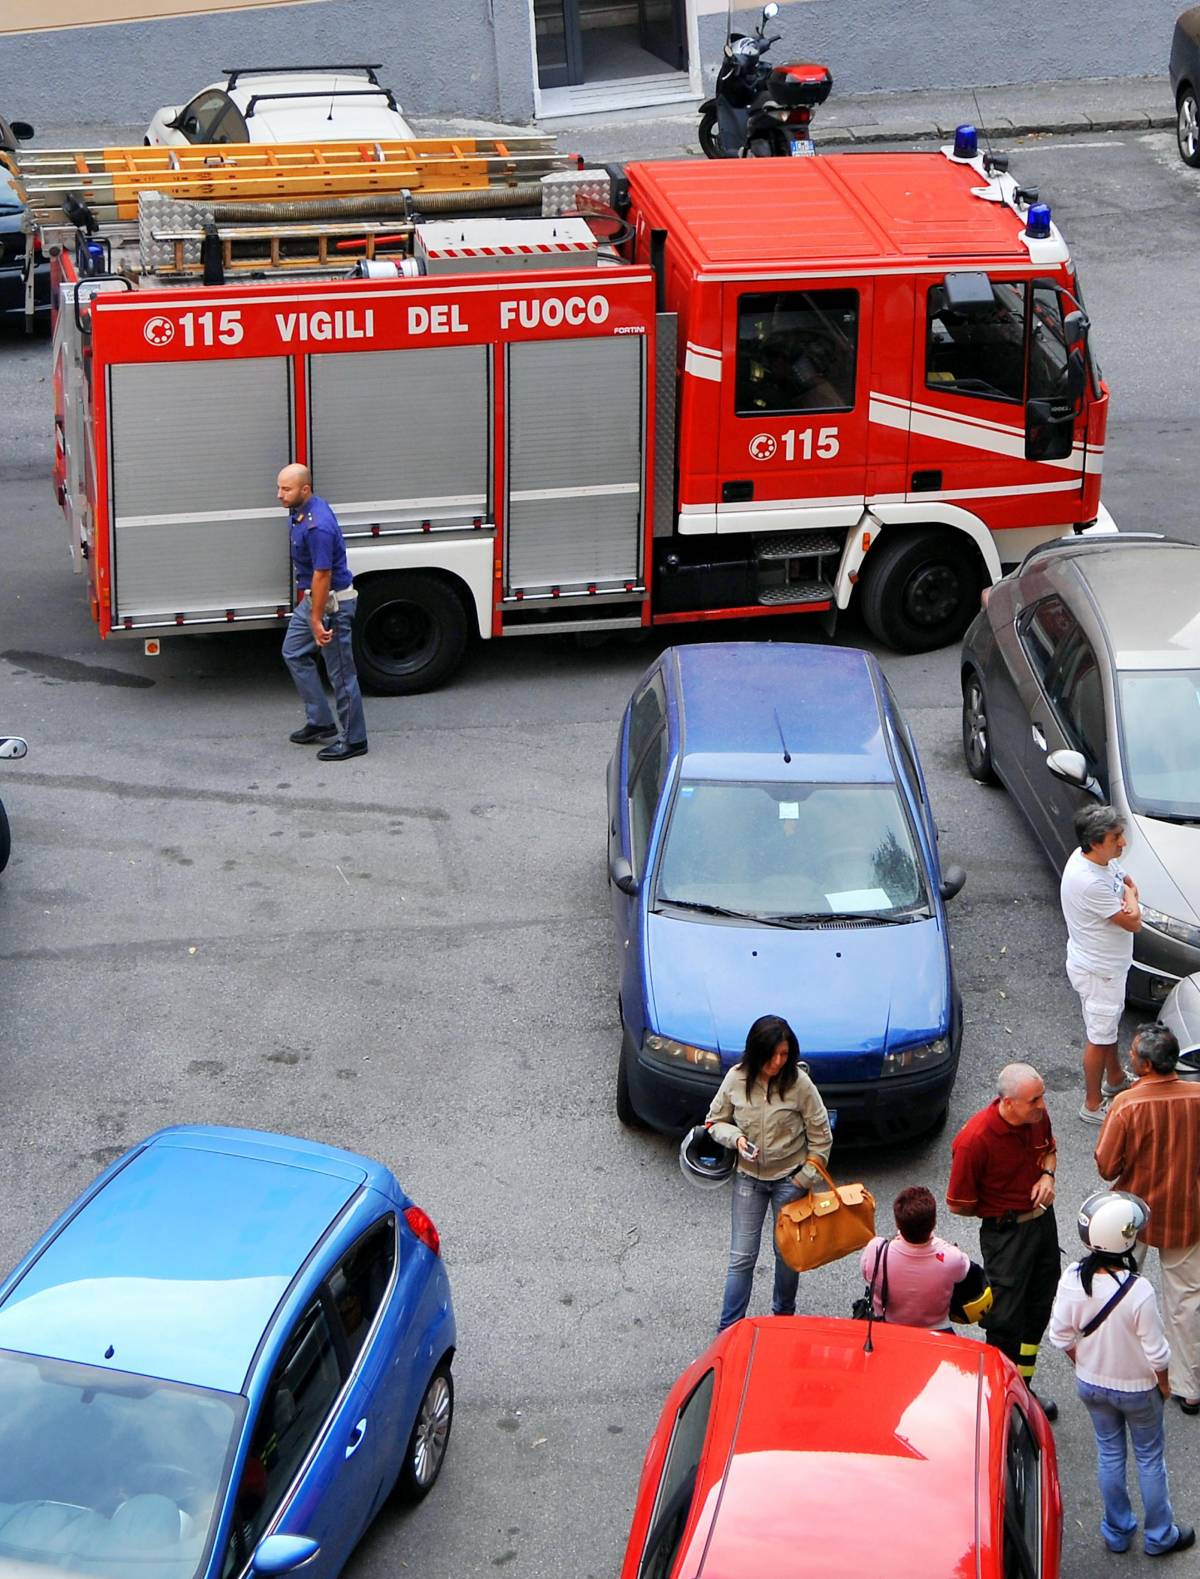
(11, 747)
(758, 110)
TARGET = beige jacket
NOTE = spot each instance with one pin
(786, 1129)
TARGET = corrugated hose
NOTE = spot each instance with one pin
(383, 204)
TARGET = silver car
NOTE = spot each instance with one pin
(1182, 1013)
(1081, 680)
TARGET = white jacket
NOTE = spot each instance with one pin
(1127, 1349)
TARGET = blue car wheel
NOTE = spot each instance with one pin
(426, 1451)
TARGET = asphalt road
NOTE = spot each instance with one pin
(411, 955)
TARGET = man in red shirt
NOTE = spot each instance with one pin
(1150, 1145)
(1002, 1171)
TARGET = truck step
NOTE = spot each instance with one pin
(797, 544)
(797, 592)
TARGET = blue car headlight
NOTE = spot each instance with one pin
(921, 1055)
(665, 1050)
(1182, 931)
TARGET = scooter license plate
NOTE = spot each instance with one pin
(802, 148)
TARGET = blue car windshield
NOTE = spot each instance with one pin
(787, 849)
(107, 1473)
(1160, 718)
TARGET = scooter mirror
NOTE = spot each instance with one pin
(770, 11)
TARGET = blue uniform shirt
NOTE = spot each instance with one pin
(318, 544)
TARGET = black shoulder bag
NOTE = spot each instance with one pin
(863, 1308)
(1109, 1306)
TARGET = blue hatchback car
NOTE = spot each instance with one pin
(772, 850)
(221, 1358)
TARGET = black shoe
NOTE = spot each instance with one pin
(311, 732)
(1190, 1406)
(1049, 1407)
(1183, 1542)
(342, 751)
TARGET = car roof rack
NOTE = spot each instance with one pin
(1078, 541)
(323, 94)
(296, 71)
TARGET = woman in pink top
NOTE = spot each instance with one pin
(921, 1268)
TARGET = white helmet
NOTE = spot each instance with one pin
(1111, 1220)
(704, 1161)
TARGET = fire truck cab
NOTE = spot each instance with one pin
(789, 385)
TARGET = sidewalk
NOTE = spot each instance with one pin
(1097, 104)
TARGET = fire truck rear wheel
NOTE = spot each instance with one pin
(410, 633)
(921, 589)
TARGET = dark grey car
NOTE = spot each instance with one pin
(1081, 681)
(1185, 84)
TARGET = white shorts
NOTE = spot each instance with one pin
(1103, 1000)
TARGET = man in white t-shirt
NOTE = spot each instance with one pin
(1101, 909)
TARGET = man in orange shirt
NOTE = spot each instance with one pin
(1150, 1145)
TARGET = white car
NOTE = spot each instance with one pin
(285, 104)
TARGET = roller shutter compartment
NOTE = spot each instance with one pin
(576, 424)
(196, 449)
(401, 436)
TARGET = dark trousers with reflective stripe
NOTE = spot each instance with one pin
(1022, 1266)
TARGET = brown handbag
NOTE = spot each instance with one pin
(825, 1225)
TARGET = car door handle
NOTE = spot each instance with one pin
(1039, 738)
(356, 1438)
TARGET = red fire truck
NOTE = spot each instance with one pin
(792, 384)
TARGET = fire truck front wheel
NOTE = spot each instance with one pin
(410, 633)
(921, 589)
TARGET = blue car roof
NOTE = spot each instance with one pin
(738, 698)
(175, 1266)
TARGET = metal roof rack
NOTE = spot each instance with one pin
(271, 71)
(323, 94)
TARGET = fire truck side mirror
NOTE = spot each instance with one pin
(1076, 376)
(969, 292)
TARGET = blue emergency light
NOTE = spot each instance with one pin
(966, 142)
(1037, 222)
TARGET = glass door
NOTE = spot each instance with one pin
(662, 30)
(559, 40)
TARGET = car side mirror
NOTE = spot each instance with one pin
(621, 873)
(953, 879)
(1071, 767)
(21, 130)
(12, 747)
(282, 1554)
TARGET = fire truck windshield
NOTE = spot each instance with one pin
(786, 849)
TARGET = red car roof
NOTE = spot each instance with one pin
(827, 1461)
(760, 213)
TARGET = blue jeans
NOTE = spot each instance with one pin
(751, 1197)
(1141, 1414)
(300, 654)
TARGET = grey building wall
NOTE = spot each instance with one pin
(897, 44)
(441, 57)
(473, 57)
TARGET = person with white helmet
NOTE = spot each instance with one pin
(1106, 1319)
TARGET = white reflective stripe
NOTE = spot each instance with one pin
(702, 363)
(443, 502)
(996, 440)
(338, 295)
(596, 491)
(1070, 486)
(839, 501)
(191, 517)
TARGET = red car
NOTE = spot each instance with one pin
(787, 1449)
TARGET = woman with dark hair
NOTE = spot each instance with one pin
(921, 1269)
(771, 1114)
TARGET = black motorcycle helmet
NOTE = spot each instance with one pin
(703, 1161)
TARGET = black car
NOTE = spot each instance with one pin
(14, 238)
(1185, 85)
